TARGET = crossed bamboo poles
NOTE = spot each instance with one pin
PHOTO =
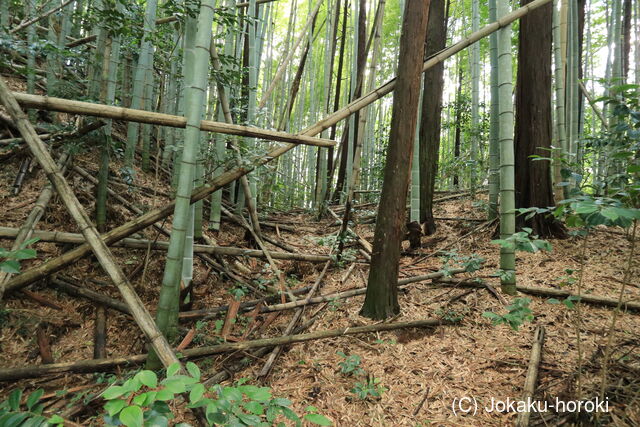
(98, 244)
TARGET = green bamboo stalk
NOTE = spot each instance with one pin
(561, 130)
(143, 68)
(196, 73)
(494, 146)
(227, 177)
(507, 160)
(475, 99)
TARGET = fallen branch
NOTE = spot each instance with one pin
(75, 238)
(532, 375)
(99, 365)
(554, 293)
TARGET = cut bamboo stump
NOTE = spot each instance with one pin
(532, 375)
(88, 366)
(100, 333)
(43, 345)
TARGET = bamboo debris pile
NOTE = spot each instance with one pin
(261, 311)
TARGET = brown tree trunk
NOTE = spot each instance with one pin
(382, 288)
(533, 120)
(431, 114)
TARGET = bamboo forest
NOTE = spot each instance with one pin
(319, 213)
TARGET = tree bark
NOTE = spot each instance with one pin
(382, 288)
(431, 114)
(533, 121)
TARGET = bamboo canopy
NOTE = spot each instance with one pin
(62, 237)
(225, 178)
(141, 116)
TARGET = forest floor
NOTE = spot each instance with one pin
(422, 370)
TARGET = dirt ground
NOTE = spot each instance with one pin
(424, 371)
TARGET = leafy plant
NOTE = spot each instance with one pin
(568, 301)
(10, 260)
(351, 364)
(519, 312)
(470, 263)
(143, 401)
(13, 414)
(524, 241)
(371, 388)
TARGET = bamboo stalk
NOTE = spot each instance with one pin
(38, 18)
(141, 116)
(225, 178)
(97, 245)
(87, 366)
(532, 375)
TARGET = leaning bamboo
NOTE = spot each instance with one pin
(283, 65)
(97, 245)
(76, 238)
(220, 181)
(38, 18)
(141, 116)
(532, 375)
(11, 374)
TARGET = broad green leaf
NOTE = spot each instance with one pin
(175, 385)
(173, 369)
(113, 392)
(131, 416)
(9, 266)
(114, 406)
(13, 419)
(164, 395)
(148, 378)
(14, 399)
(24, 254)
(193, 369)
(34, 398)
(318, 419)
(196, 393)
(254, 407)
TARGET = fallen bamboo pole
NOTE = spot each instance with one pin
(95, 243)
(403, 283)
(554, 293)
(532, 375)
(98, 365)
(219, 182)
(75, 238)
(141, 116)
